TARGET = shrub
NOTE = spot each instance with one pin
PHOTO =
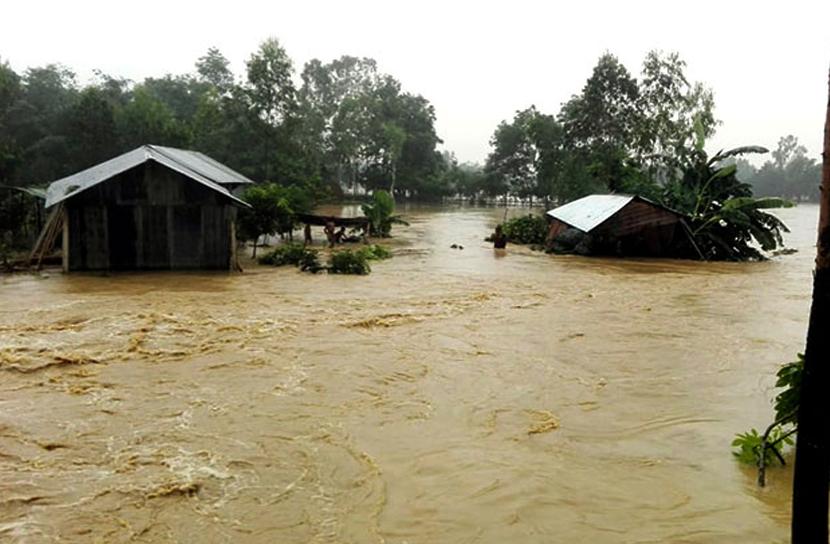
(376, 252)
(296, 254)
(347, 261)
(528, 229)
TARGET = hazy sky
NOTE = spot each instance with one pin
(476, 62)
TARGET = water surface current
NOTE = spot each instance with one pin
(453, 395)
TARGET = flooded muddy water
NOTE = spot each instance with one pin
(453, 395)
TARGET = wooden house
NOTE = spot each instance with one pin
(615, 225)
(151, 208)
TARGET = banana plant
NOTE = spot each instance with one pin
(727, 223)
(379, 212)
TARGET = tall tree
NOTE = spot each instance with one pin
(10, 152)
(91, 129)
(514, 156)
(669, 106)
(214, 68)
(147, 120)
(181, 94)
(605, 114)
(272, 96)
(336, 103)
(37, 122)
(812, 455)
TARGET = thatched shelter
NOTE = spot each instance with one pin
(151, 208)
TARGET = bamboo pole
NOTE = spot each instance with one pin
(812, 456)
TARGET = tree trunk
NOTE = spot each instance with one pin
(812, 455)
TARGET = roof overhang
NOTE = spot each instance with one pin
(191, 164)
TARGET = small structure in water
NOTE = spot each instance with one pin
(615, 225)
(151, 208)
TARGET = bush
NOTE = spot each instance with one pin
(347, 261)
(376, 252)
(296, 254)
(528, 229)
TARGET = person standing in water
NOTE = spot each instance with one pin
(499, 238)
(329, 231)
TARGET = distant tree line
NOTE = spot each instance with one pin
(625, 135)
(790, 173)
(346, 125)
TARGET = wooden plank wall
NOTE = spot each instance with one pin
(149, 217)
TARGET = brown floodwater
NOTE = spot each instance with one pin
(453, 395)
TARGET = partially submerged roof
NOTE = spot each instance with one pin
(591, 211)
(192, 164)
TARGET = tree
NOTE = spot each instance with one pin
(812, 467)
(37, 123)
(182, 94)
(790, 174)
(91, 128)
(605, 114)
(379, 212)
(147, 120)
(273, 209)
(368, 132)
(514, 156)
(723, 215)
(669, 107)
(272, 96)
(214, 68)
(224, 128)
(10, 153)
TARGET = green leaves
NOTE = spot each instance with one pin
(724, 217)
(379, 212)
(750, 443)
(527, 229)
(347, 261)
(272, 209)
(297, 254)
(786, 402)
(743, 150)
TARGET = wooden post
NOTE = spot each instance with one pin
(65, 241)
(812, 455)
(234, 254)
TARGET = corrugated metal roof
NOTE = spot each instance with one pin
(201, 163)
(589, 212)
(192, 164)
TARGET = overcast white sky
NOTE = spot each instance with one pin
(476, 62)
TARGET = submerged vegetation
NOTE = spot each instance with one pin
(763, 449)
(379, 212)
(293, 254)
(527, 229)
(723, 216)
(347, 261)
(343, 261)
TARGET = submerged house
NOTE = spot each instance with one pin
(616, 225)
(151, 208)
